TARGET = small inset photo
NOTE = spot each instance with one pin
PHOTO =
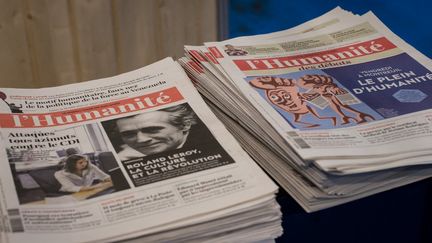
(74, 165)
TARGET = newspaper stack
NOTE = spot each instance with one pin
(135, 157)
(335, 109)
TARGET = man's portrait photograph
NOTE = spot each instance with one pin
(166, 143)
(156, 132)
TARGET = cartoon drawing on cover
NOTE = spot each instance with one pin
(324, 86)
(284, 93)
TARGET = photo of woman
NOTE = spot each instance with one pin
(80, 175)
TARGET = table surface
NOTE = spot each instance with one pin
(401, 215)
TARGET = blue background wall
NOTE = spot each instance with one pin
(400, 215)
(411, 20)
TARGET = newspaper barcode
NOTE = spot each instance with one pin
(292, 134)
(302, 143)
(297, 139)
(15, 220)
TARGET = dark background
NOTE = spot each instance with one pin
(410, 20)
(399, 215)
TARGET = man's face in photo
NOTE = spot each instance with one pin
(151, 133)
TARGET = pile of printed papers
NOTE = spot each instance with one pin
(335, 109)
(137, 157)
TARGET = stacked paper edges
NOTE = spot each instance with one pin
(335, 109)
(135, 157)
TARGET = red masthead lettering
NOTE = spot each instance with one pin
(215, 52)
(343, 53)
(91, 112)
(197, 55)
(196, 66)
(211, 57)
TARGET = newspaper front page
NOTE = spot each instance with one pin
(147, 150)
(205, 57)
(312, 188)
(358, 91)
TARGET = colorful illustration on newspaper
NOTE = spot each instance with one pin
(349, 95)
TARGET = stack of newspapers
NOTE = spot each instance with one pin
(137, 157)
(335, 109)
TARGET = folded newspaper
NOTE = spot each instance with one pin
(136, 157)
(335, 109)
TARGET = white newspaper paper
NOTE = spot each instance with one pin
(338, 93)
(138, 178)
